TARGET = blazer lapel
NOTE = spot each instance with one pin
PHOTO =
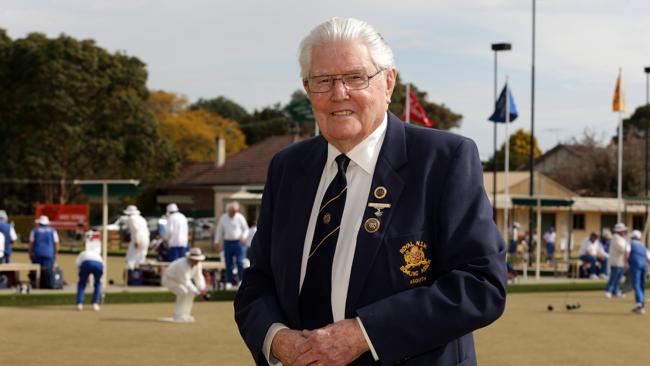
(391, 157)
(305, 185)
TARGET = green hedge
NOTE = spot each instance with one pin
(14, 299)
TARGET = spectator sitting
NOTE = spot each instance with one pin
(591, 251)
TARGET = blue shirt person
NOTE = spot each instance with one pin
(638, 258)
(43, 243)
(9, 236)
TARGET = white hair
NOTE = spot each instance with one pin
(346, 29)
(234, 205)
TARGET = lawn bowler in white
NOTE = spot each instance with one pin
(139, 231)
(184, 277)
(90, 262)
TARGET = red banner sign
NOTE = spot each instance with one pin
(64, 217)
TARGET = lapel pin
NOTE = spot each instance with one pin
(327, 218)
(371, 225)
(380, 192)
(378, 207)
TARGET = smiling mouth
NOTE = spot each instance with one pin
(341, 113)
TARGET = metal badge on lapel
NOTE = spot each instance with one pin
(380, 192)
(371, 225)
(378, 207)
(327, 218)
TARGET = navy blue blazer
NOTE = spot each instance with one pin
(433, 272)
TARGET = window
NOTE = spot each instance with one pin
(638, 222)
(578, 221)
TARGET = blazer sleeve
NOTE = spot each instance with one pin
(470, 286)
(256, 304)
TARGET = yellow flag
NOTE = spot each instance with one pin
(619, 96)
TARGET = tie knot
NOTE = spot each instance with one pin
(342, 162)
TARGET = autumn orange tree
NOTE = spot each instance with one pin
(193, 132)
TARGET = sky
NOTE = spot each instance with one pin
(247, 51)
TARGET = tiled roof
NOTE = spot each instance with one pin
(245, 167)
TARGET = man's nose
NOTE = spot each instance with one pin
(339, 90)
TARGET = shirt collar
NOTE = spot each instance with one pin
(365, 154)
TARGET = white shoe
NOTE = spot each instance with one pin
(639, 309)
(229, 286)
(620, 295)
(96, 307)
(593, 277)
(608, 295)
(80, 307)
(603, 276)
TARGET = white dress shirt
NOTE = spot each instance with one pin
(231, 228)
(592, 248)
(176, 230)
(363, 159)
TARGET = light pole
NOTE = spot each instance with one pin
(647, 152)
(496, 47)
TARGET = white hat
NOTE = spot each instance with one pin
(619, 227)
(636, 234)
(172, 208)
(131, 210)
(195, 254)
(3, 215)
(43, 220)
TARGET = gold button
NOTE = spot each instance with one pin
(380, 192)
(327, 218)
(371, 225)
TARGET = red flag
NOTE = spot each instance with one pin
(416, 111)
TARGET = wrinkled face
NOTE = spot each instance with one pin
(346, 117)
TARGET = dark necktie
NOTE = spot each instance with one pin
(315, 295)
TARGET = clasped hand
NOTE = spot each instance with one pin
(337, 344)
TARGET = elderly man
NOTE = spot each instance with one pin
(232, 232)
(375, 241)
(616, 258)
(9, 234)
(176, 233)
(184, 277)
(43, 244)
(592, 252)
(139, 230)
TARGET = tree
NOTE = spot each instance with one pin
(193, 133)
(519, 152)
(70, 109)
(222, 106)
(443, 118)
(638, 121)
(269, 121)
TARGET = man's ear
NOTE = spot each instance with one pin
(391, 76)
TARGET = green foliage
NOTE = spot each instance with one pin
(269, 121)
(519, 152)
(223, 107)
(71, 110)
(638, 121)
(442, 117)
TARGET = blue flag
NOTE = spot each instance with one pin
(499, 114)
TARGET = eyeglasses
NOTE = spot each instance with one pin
(352, 81)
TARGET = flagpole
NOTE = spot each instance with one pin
(408, 103)
(507, 166)
(620, 148)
